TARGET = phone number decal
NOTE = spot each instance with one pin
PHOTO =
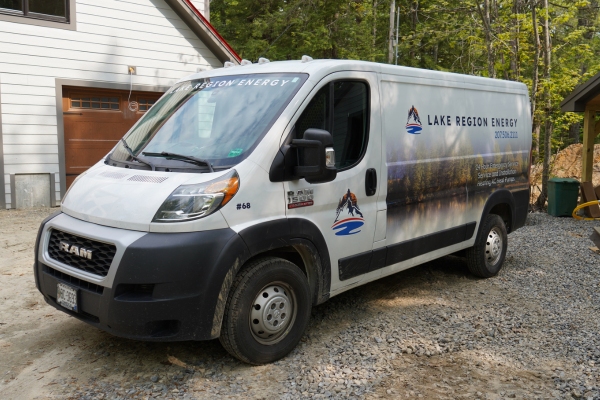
(506, 135)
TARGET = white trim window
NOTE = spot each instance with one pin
(49, 10)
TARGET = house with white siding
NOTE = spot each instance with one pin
(75, 75)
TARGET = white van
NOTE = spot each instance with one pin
(248, 194)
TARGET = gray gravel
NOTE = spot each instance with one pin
(433, 331)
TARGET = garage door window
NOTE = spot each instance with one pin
(145, 104)
(95, 103)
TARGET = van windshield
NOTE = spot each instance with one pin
(219, 120)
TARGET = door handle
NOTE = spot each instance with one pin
(371, 182)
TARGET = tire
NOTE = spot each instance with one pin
(487, 255)
(267, 311)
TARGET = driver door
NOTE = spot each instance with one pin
(344, 209)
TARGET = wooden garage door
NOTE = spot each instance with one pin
(95, 120)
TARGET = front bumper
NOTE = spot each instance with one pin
(160, 286)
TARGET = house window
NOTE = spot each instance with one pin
(51, 10)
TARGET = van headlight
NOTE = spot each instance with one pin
(190, 202)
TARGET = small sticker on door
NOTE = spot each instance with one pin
(350, 225)
(300, 198)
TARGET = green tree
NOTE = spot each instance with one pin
(494, 38)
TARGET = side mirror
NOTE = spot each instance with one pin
(311, 157)
(316, 156)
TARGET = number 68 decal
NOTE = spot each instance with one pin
(243, 206)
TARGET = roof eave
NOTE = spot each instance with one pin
(204, 30)
(576, 100)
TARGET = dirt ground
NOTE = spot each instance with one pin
(46, 354)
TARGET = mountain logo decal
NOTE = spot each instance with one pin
(413, 123)
(350, 225)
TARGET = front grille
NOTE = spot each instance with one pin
(102, 253)
(92, 287)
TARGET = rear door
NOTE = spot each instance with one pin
(345, 213)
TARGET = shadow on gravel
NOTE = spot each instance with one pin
(353, 303)
(450, 270)
(174, 363)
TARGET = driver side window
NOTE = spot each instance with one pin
(342, 108)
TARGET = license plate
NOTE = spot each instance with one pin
(66, 296)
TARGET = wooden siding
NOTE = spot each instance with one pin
(110, 35)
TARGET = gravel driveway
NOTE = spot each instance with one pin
(433, 331)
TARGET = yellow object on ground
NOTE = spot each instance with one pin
(579, 207)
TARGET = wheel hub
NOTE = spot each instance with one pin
(493, 247)
(272, 312)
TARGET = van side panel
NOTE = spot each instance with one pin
(449, 147)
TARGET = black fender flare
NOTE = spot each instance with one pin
(298, 233)
(498, 197)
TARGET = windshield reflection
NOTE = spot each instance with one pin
(218, 119)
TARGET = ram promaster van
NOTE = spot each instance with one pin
(248, 194)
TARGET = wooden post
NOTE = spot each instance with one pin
(587, 153)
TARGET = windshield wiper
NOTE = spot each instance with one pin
(181, 157)
(136, 158)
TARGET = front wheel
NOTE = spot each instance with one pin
(487, 255)
(267, 311)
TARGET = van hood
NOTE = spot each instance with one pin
(124, 198)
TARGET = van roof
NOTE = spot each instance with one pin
(318, 69)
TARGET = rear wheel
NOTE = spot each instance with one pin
(486, 257)
(267, 311)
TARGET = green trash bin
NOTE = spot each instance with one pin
(562, 196)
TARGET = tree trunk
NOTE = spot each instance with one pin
(414, 14)
(548, 110)
(537, 135)
(536, 81)
(515, 62)
(374, 29)
(414, 17)
(574, 130)
(487, 28)
(586, 16)
(391, 34)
